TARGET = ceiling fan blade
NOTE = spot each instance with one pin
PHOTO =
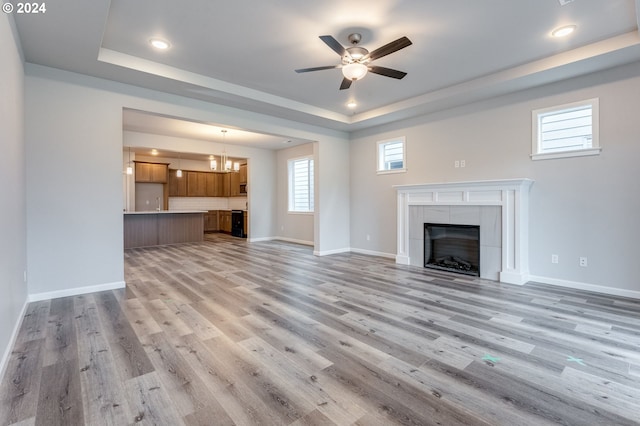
(394, 46)
(346, 83)
(327, 67)
(387, 72)
(334, 44)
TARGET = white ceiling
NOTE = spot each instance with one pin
(243, 53)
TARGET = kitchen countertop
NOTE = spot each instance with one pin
(167, 212)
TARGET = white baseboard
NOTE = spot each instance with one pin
(513, 278)
(36, 297)
(584, 286)
(293, 240)
(7, 352)
(328, 252)
(285, 239)
(259, 239)
(373, 253)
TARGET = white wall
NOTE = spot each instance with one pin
(74, 142)
(297, 227)
(13, 263)
(332, 232)
(584, 206)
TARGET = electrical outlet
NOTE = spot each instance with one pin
(463, 163)
(583, 262)
(368, 237)
(456, 164)
(554, 258)
(282, 227)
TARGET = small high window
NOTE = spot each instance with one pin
(392, 156)
(566, 130)
(301, 185)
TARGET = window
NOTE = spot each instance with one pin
(566, 130)
(391, 156)
(301, 185)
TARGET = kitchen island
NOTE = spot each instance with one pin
(154, 228)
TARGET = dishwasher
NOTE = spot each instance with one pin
(237, 223)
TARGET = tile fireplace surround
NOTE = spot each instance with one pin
(500, 207)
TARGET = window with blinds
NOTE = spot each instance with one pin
(301, 185)
(566, 130)
(391, 155)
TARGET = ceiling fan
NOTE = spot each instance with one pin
(356, 60)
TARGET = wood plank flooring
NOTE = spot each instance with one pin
(225, 332)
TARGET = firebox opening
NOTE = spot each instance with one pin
(453, 248)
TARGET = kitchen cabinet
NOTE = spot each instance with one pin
(243, 173)
(234, 184)
(225, 220)
(225, 185)
(211, 184)
(211, 223)
(205, 184)
(177, 185)
(196, 184)
(151, 172)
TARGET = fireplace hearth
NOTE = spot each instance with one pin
(453, 248)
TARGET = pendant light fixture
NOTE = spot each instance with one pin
(129, 167)
(179, 171)
(225, 163)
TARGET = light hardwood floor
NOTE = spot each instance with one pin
(225, 332)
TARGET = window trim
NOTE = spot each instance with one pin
(290, 198)
(595, 131)
(403, 169)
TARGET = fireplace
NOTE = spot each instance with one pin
(499, 207)
(453, 248)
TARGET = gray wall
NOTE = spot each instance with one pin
(584, 206)
(13, 264)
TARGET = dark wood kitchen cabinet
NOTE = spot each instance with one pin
(224, 217)
(243, 173)
(211, 223)
(196, 184)
(177, 185)
(211, 184)
(151, 172)
(234, 185)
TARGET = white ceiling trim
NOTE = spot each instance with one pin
(545, 71)
(143, 65)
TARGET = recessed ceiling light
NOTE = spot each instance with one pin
(159, 43)
(352, 104)
(563, 31)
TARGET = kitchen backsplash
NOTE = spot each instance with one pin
(207, 203)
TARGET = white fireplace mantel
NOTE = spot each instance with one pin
(512, 195)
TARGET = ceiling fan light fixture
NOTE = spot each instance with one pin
(354, 71)
(563, 31)
(357, 52)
